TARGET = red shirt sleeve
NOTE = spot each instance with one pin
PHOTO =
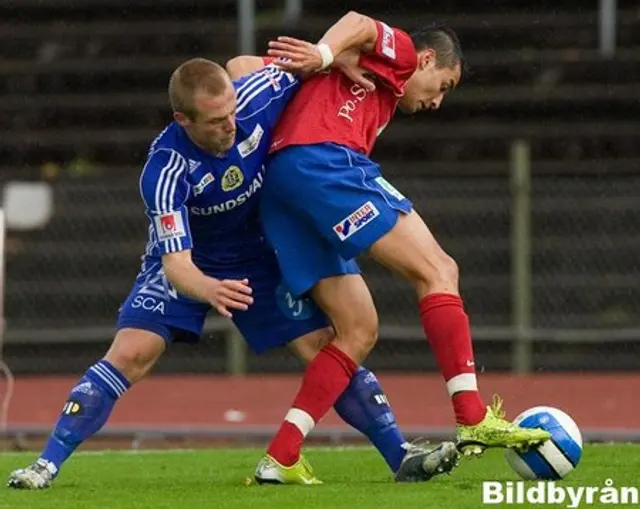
(394, 58)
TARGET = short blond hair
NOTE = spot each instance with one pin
(197, 74)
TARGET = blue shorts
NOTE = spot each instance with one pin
(322, 205)
(274, 319)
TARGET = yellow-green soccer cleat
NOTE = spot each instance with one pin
(495, 431)
(269, 471)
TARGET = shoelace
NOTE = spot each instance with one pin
(41, 468)
(307, 465)
(497, 408)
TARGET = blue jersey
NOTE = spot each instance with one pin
(209, 204)
(206, 203)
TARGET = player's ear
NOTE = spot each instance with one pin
(425, 57)
(181, 118)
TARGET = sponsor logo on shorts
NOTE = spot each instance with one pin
(156, 285)
(206, 180)
(232, 178)
(148, 304)
(169, 226)
(356, 220)
(293, 308)
(384, 184)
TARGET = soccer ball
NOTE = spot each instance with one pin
(557, 457)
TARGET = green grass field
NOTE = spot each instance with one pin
(354, 478)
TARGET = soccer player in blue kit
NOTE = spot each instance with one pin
(206, 250)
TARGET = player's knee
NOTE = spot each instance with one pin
(439, 274)
(448, 271)
(135, 356)
(308, 346)
(367, 337)
(359, 338)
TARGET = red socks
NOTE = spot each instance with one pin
(325, 379)
(447, 328)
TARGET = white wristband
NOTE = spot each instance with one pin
(327, 55)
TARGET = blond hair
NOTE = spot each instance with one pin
(197, 74)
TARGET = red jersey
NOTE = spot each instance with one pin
(329, 107)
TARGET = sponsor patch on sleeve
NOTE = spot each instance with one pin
(169, 226)
(388, 41)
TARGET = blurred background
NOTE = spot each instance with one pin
(529, 176)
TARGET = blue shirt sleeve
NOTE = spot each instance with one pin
(264, 94)
(164, 191)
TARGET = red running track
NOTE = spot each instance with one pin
(594, 401)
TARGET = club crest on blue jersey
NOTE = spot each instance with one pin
(356, 220)
(232, 178)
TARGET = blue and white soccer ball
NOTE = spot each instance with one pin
(557, 457)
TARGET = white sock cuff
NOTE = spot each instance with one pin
(463, 382)
(301, 420)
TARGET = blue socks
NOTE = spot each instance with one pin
(88, 407)
(364, 406)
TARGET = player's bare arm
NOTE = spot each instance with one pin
(188, 279)
(243, 64)
(352, 31)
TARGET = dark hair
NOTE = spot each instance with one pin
(444, 41)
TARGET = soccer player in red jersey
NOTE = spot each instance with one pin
(325, 202)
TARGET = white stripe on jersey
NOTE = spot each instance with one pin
(292, 81)
(157, 206)
(167, 182)
(165, 187)
(247, 100)
(249, 85)
(276, 76)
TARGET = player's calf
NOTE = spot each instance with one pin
(347, 302)
(363, 405)
(443, 317)
(90, 403)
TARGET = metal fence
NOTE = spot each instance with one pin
(548, 265)
(529, 180)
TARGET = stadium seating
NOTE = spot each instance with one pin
(89, 80)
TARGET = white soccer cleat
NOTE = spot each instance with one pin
(35, 477)
(421, 463)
